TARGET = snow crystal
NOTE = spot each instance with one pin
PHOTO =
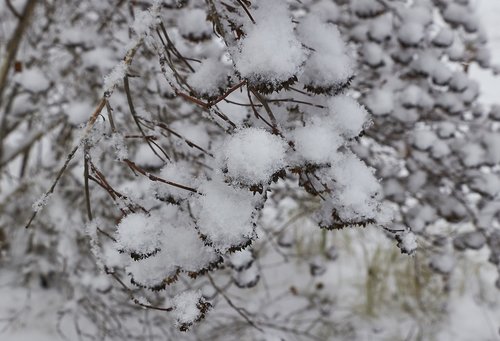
(459, 81)
(486, 183)
(446, 130)
(179, 248)
(270, 52)
(456, 14)
(91, 230)
(39, 204)
(456, 51)
(252, 156)
(143, 22)
(117, 141)
(115, 76)
(470, 240)
(441, 74)
(420, 14)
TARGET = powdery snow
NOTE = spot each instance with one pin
(252, 156)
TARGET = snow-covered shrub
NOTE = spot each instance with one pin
(165, 142)
(431, 141)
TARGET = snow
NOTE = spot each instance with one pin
(348, 115)
(252, 155)
(138, 233)
(33, 80)
(151, 272)
(185, 305)
(380, 101)
(210, 77)
(247, 278)
(411, 33)
(365, 8)
(408, 242)
(472, 154)
(116, 75)
(225, 214)
(491, 141)
(241, 260)
(373, 54)
(143, 22)
(424, 139)
(145, 157)
(270, 52)
(80, 112)
(316, 143)
(193, 24)
(177, 172)
(41, 202)
(444, 38)
(356, 189)
(443, 263)
(327, 45)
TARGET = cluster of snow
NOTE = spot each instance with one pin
(225, 215)
(210, 77)
(193, 24)
(270, 52)
(356, 189)
(163, 242)
(319, 70)
(252, 155)
(186, 307)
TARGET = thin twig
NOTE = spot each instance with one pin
(231, 304)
